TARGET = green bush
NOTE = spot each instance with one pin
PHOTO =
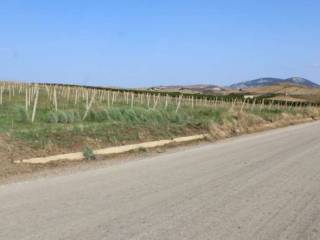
(129, 115)
(91, 117)
(52, 117)
(63, 117)
(114, 114)
(88, 153)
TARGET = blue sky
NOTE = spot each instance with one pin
(144, 43)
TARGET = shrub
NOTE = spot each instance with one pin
(91, 117)
(114, 114)
(70, 117)
(129, 115)
(88, 153)
(62, 117)
(52, 117)
(175, 117)
(97, 115)
(141, 114)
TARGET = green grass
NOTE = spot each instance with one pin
(115, 125)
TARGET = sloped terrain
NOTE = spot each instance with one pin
(261, 82)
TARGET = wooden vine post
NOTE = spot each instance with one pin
(35, 106)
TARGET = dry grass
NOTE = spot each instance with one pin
(244, 122)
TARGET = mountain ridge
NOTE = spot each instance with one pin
(267, 81)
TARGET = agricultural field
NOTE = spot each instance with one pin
(288, 92)
(282, 91)
(40, 120)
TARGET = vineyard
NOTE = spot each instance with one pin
(45, 114)
(41, 119)
(67, 104)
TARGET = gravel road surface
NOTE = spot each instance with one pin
(259, 186)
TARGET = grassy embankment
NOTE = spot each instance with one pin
(66, 130)
(67, 123)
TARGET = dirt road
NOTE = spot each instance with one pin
(260, 186)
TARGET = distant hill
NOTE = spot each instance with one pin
(196, 88)
(262, 82)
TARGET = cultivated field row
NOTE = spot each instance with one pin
(38, 120)
(56, 98)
